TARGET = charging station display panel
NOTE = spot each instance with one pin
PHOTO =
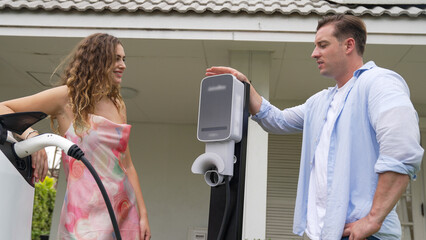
(214, 119)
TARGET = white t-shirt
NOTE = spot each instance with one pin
(317, 197)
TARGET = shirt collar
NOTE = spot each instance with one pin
(365, 67)
(369, 65)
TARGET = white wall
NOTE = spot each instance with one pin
(177, 200)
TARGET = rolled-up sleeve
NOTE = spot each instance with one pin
(274, 120)
(395, 121)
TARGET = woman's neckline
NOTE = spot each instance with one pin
(109, 120)
(95, 115)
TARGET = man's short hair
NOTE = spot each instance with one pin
(347, 26)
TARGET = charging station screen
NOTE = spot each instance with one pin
(214, 120)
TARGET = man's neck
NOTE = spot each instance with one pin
(341, 81)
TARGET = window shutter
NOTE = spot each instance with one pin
(283, 172)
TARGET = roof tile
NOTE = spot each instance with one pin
(303, 7)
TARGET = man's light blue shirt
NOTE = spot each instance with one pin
(376, 131)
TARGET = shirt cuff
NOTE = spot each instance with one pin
(388, 164)
(264, 108)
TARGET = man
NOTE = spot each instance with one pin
(360, 139)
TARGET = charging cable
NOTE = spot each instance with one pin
(227, 213)
(29, 146)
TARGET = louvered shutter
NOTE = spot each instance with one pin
(283, 172)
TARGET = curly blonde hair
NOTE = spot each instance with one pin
(89, 77)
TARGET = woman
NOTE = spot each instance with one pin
(90, 111)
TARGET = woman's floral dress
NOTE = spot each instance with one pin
(84, 214)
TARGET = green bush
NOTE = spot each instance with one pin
(44, 202)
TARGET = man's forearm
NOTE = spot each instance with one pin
(255, 101)
(390, 187)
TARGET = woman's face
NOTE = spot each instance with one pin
(120, 65)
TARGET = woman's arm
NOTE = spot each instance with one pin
(145, 231)
(134, 180)
(51, 102)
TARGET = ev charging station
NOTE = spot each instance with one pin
(222, 126)
(17, 185)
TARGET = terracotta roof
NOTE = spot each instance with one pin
(302, 7)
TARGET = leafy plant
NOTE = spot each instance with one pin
(44, 202)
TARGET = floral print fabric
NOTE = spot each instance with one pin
(84, 214)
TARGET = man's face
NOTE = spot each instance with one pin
(329, 52)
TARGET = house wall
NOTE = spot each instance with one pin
(176, 199)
